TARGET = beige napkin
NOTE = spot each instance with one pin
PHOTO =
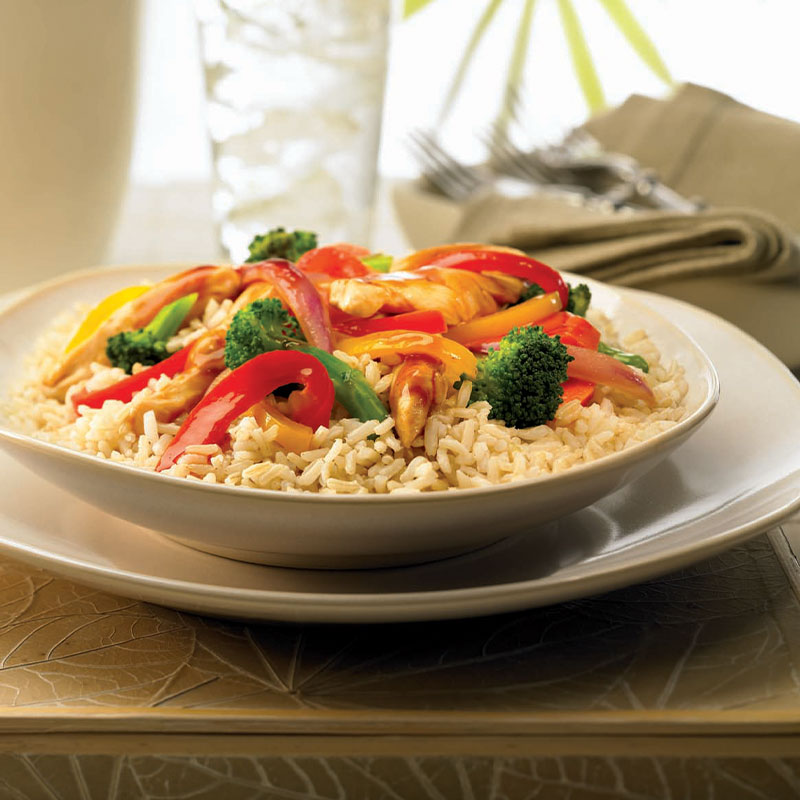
(739, 259)
(702, 142)
(640, 248)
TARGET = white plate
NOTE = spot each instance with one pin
(737, 477)
(337, 531)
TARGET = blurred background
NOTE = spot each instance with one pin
(747, 49)
(338, 106)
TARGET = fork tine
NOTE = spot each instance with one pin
(450, 176)
(509, 158)
(435, 172)
(435, 151)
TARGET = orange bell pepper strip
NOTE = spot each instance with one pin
(457, 360)
(291, 435)
(575, 389)
(495, 326)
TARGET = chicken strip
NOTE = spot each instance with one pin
(418, 384)
(204, 367)
(207, 282)
(459, 294)
(206, 360)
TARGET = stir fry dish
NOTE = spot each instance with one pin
(334, 369)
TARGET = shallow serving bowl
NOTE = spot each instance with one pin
(333, 531)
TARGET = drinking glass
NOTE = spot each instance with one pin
(294, 93)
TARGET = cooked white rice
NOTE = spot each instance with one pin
(459, 448)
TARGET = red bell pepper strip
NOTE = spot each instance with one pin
(298, 293)
(209, 420)
(572, 329)
(510, 263)
(425, 321)
(575, 389)
(125, 389)
(335, 260)
(589, 365)
(355, 249)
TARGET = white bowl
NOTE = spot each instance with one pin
(334, 531)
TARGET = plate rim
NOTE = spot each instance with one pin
(430, 604)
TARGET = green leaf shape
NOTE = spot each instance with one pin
(581, 57)
(516, 67)
(412, 6)
(466, 59)
(637, 38)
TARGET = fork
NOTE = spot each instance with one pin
(579, 159)
(454, 179)
(460, 182)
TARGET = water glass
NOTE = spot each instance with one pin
(294, 100)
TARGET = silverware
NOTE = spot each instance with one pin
(452, 178)
(580, 160)
(460, 182)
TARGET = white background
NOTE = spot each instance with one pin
(747, 48)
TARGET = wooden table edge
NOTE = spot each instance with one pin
(122, 720)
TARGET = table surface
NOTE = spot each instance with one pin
(674, 688)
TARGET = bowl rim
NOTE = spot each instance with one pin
(621, 459)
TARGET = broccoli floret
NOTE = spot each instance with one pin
(262, 326)
(135, 347)
(265, 325)
(280, 243)
(148, 345)
(521, 380)
(579, 298)
(531, 290)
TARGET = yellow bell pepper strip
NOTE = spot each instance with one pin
(495, 326)
(457, 360)
(148, 345)
(291, 435)
(102, 311)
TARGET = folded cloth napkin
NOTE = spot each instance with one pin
(702, 142)
(640, 248)
(740, 258)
